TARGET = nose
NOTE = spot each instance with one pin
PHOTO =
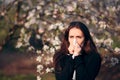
(74, 41)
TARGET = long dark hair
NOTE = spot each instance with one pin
(88, 45)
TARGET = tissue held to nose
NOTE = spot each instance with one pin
(74, 42)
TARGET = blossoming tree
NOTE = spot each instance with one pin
(41, 23)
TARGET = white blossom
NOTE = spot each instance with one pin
(38, 7)
(22, 31)
(32, 21)
(30, 48)
(71, 7)
(26, 38)
(74, 4)
(102, 24)
(113, 8)
(56, 41)
(55, 11)
(45, 47)
(40, 30)
(52, 69)
(48, 70)
(42, 55)
(2, 13)
(38, 51)
(52, 50)
(108, 41)
(94, 19)
(60, 26)
(48, 60)
(38, 36)
(37, 16)
(19, 44)
(27, 25)
(117, 49)
(39, 58)
(114, 61)
(44, 22)
(63, 16)
(52, 26)
(38, 78)
(48, 39)
(47, 12)
(54, 16)
(25, 8)
(39, 68)
(99, 41)
(42, 2)
(31, 14)
(57, 47)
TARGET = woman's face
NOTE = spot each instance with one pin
(75, 35)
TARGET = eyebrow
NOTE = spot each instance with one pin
(76, 36)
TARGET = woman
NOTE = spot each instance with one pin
(78, 58)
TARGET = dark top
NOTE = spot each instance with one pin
(87, 67)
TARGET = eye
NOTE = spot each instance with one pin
(79, 36)
(71, 36)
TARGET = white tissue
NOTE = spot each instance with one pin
(74, 42)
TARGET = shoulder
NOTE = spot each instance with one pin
(96, 55)
(61, 56)
(93, 56)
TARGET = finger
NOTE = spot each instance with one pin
(71, 49)
(77, 45)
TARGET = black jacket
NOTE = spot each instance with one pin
(87, 67)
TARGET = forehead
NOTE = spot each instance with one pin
(75, 31)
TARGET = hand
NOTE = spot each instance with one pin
(74, 49)
(77, 49)
(71, 49)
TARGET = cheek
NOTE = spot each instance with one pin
(70, 41)
(80, 41)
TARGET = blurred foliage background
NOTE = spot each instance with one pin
(31, 32)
